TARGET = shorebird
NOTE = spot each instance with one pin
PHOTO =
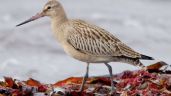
(87, 42)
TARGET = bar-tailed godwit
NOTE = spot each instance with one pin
(87, 42)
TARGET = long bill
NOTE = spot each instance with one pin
(37, 16)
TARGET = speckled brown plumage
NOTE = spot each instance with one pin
(97, 41)
(87, 42)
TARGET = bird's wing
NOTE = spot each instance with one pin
(94, 40)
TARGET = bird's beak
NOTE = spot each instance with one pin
(37, 16)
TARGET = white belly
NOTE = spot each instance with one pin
(70, 50)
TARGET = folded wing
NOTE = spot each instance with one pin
(94, 40)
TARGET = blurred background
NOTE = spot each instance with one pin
(31, 51)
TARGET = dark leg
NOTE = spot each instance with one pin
(85, 78)
(111, 77)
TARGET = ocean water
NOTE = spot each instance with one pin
(31, 51)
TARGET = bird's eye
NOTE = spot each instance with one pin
(49, 7)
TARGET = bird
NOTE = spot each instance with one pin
(87, 42)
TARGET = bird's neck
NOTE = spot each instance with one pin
(59, 18)
(56, 23)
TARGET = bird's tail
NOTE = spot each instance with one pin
(146, 57)
(132, 61)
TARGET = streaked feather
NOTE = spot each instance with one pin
(96, 41)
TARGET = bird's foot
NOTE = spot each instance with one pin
(145, 68)
(112, 91)
(166, 68)
(80, 90)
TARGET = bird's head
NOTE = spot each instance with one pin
(51, 9)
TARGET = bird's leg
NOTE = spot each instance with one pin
(85, 78)
(111, 76)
